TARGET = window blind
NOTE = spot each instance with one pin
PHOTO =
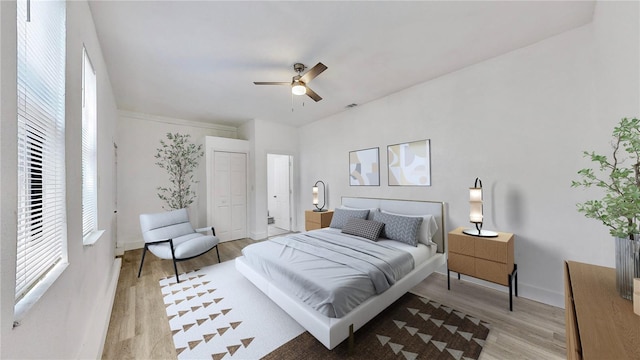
(41, 218)
(89, 147)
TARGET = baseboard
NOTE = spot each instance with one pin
(524, 290)
(96, 336)
(258, 235)
(138, 244)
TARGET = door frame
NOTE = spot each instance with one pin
(213, 144)
(292, 223)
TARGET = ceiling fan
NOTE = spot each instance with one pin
(299, 82)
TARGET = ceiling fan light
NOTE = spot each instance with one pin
(298, 89)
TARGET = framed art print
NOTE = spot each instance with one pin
(364, 167)
(410, 163)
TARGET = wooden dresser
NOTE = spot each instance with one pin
(486, 258)
(600, 324)
(317, 220)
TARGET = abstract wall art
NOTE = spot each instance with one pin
(364, 167)
(410, 163)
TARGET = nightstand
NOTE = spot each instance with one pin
(486, 258)
(317, 220)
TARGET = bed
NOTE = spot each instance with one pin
(332, 324)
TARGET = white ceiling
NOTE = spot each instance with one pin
(197, 60)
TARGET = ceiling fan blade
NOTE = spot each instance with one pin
(313, 72)
(272, 83)
(312, 94)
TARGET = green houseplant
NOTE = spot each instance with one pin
(179, 157)
(619, 209)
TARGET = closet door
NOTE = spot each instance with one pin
(230, 195)
(238, 179)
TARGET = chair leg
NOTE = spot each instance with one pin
(175, 267)
(144, 251)
(218, 251)
(173, 257)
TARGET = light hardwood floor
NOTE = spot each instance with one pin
(139, 328)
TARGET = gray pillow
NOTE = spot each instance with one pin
(400, 228)
(367, 229)
(341, 216)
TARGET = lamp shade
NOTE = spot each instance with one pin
(475, 194)
(475, 204)
(298, 89)
(315, 195)
(475, 213)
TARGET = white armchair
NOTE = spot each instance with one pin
(169, 235)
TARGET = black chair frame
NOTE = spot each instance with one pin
(175, 260)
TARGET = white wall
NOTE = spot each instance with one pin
(519, 122)
(70, 320)
(139, 137)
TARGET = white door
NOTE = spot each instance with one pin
(282, 192)
(230, 195)
(238, 179)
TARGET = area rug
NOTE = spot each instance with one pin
(413, 327)
(215, 313)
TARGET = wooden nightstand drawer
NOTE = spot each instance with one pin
(310, 225)
(491, 249)
(492, 271)
(317, 220)
(462, 264)
(461, 245)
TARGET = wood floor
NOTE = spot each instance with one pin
(139, 328)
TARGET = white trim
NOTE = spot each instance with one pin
(258, 235)
(32, 296)
(525, 291)
(222, 144)
(92, 237)
(175, 121)
(132, 245)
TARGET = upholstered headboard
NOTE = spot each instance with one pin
(408, 207)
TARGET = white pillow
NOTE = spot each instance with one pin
(428, 228)
(371, 210)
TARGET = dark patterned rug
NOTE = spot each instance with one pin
(413, 327)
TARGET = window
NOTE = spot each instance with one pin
(41, 211)
(89, 151)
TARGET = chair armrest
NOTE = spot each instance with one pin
(205, 229)
(159, 242)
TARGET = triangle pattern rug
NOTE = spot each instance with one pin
(215, 313)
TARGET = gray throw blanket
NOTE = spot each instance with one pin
(330, 271)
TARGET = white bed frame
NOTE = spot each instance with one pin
(332, 331)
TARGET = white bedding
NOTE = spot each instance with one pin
(331, 331)
(330, 271)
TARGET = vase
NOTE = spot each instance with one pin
(627, 265)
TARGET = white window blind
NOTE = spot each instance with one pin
(41, 219)
(89, 147)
